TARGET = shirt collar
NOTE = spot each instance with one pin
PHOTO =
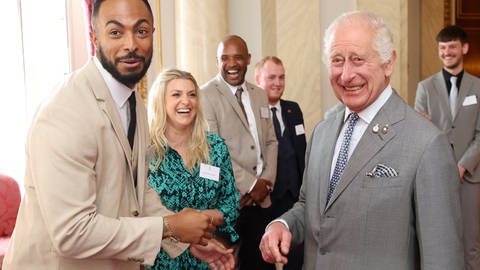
(119, 91)
(233, 88)
(447, 75)
(276, 105)
(369, 113)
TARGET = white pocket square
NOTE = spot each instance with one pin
(470, 100)
(381, 170)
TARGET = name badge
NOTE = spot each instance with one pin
(299, 129)
(470, 100)
(264, 112)
(209, 172)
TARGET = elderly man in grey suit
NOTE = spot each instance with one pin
(238, 111)
(449, 99)
(379, 190)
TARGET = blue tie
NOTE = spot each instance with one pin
(342, 155)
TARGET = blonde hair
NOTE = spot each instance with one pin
(261, 63)
(198, 148)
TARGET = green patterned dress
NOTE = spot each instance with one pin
(179, 189)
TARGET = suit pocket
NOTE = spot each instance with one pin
(382, 182)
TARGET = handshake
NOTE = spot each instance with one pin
(197, 227)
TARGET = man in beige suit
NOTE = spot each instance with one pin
(379, 188)
(87, 205)
(455, 109)
(238, 111)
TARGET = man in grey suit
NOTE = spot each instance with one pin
(453, 107)
(379, 188)
(238, 111)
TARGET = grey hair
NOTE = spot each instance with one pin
(383, 39)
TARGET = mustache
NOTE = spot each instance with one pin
(130, 55)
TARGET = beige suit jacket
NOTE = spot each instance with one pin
(225, 117)
(81, 209)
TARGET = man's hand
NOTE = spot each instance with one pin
(215, 254)
(275, 243)
(192, 226)
(261, 189)
(246, 200)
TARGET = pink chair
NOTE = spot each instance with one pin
(9, 203)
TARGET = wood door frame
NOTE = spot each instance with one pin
(448, 11)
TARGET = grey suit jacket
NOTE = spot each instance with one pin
(464, 131)
(410, 221)
(225, 117)
(81, 209)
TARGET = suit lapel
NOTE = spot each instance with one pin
(463, 92)
(443, 98)
(108, 106)
(286, 118)
(106, 103)
(324, 166)
(256, 111)
(227, 94)
(142, 139)
(371, 143)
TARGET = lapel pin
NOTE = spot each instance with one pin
(376, 128)
(385, 129)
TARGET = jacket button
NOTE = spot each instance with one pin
(254, 168)
(252, 147)
(135, 213)
(323, 251)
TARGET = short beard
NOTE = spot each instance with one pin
(454, 65)
(130, 79)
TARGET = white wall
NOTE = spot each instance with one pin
(13, 111)
(35, 58)
(245, 21)
(329, 10)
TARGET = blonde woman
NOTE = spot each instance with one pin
(191, 167)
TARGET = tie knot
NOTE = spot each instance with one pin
(453, 80)
(352, 118)
(274, 109)
(238, 93)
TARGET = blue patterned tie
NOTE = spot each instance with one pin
(342, 155)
